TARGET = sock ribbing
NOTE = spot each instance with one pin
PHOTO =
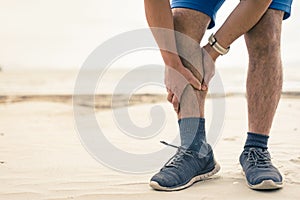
(192, 133)
(256, 140)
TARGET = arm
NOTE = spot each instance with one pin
(240, 21)
(159, 15)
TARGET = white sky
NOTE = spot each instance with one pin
(60, 34)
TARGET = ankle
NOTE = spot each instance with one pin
(256, 140)
(192, 133)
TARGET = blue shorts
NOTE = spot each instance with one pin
(210, 7)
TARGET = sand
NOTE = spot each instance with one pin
(41, 155)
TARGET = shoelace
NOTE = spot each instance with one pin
(258, 158)
(177, 159)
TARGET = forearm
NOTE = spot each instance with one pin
(160, 20)
(240, 21)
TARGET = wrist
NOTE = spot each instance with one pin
(211, 51)
(171, 59)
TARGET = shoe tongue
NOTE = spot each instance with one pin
(260, 153)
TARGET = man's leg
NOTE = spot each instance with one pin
(264, 84)
(193, 24)
(264, 80)
(188, 166)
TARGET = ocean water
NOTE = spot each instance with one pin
(61, 34)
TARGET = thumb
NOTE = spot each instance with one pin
(204, 86)
(207, 78)
(192, 79)
(209, 69)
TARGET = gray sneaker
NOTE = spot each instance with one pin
(259, 171)
(185, 168)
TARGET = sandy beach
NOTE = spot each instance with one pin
(41, 155)
(46, 155)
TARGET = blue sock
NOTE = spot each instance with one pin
(192, 133)
(256, 140)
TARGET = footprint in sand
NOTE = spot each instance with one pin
(230, 138)
(296, 161)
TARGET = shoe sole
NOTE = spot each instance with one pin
(265, 185)
(155, 185)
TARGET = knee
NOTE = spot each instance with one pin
(264, 47)
(179, 16)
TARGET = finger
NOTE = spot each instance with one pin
(175, 104)
(209, 69)
(169, 91)
(170, 96)
(204, 87)
(207, 78)
(192, 79)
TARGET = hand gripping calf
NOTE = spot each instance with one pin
(180, 86)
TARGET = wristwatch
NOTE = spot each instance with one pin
(214, 44)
